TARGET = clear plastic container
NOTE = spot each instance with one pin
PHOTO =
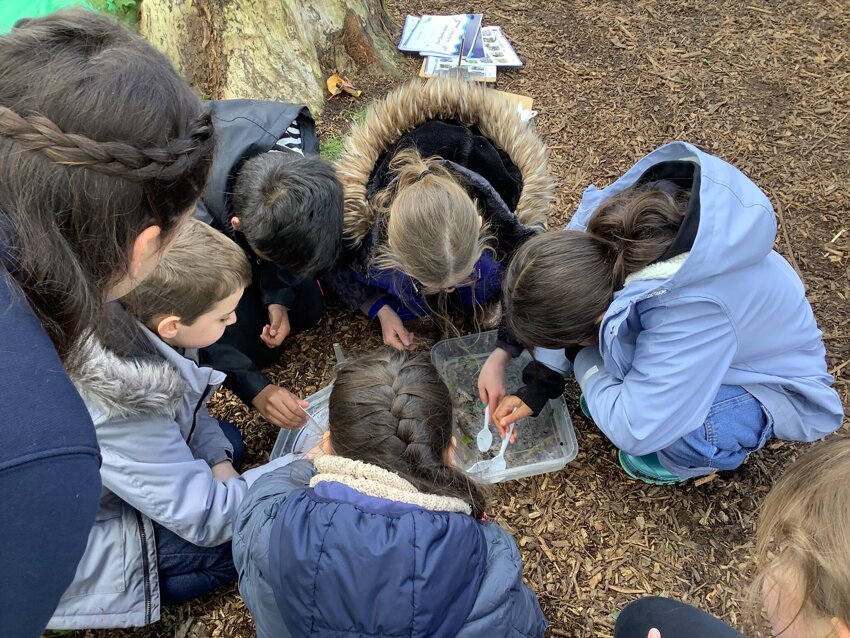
(308, 436)
(544, 444)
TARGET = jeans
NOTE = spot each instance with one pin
(672, 618)
(187, 571)
(736, 426)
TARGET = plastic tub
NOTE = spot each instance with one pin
(544, 444)
(308, 436)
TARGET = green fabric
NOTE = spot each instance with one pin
(582, 403)
(13, 10)
(647, 468)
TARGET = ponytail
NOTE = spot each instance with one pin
(392, 410)
(425, 205)
(637, 227)
(559, 284)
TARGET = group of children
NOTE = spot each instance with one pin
(690, 337)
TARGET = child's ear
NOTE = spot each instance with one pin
(842, 630)
(235, 222)
(449, 454)
(146, 244)
(326, 443)
(167, 326)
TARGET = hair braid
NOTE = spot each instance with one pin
(118, 159)
(394, 411)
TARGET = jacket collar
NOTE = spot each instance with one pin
(375, 481)
(139, 385)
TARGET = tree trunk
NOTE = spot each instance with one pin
(271, 49)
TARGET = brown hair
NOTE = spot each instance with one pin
(393, 410)
(804, 530)
(99, 139)
(559, 283)
(201, 268)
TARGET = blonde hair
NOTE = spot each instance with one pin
(433, 227)
(201, 268)
(804, 530)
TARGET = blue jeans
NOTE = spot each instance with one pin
(736, 426)
(187, 571)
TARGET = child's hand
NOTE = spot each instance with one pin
(224, 470)
(510, 410)
(491, 379)
(653, 633)
(280, 407)
(277, 328)
(395, 334)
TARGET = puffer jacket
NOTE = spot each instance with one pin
(157, 441)
(357, 551)
(481, 139)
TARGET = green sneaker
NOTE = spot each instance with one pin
(648, 468)
(582, 403)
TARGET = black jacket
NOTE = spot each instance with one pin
(245, 129)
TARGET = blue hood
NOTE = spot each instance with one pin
(343, 563)
(739, 232)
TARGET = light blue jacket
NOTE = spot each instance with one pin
(734, 313)
(158, 442)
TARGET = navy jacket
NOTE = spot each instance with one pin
(331, 561)
(49, 471)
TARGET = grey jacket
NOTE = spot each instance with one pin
(158, 442)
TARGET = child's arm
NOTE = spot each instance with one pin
(276, 286)
(680, 359)
(207, 440)
(147, 463)
(503, 599)
(543, 379)
(355, 294)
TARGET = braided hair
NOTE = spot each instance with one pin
(392, 410)
(558, 284)
(99, 139)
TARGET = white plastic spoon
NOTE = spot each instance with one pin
(497, 463)
(485, 436)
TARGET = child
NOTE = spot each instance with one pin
(171, 490)
(271, 193)
(381, 534)
(803, 550)
(707, 347)
(432, 216)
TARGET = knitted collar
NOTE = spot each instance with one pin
(375, 481)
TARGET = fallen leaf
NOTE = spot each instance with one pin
(337, 84)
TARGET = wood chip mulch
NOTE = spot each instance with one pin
(763, 85)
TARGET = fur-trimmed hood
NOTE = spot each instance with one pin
(417, 102)
(115, 387)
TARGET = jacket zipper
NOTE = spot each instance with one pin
(145, 567)
(204, 395)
